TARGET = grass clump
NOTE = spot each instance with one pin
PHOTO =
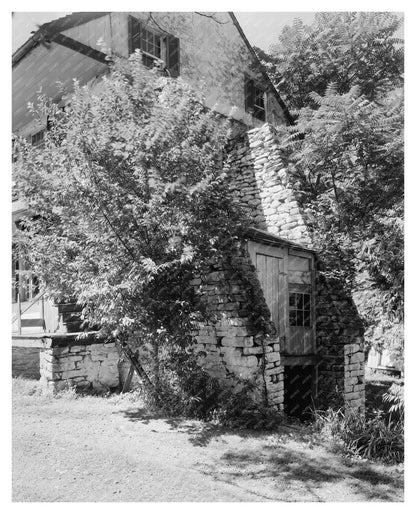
(379, 436)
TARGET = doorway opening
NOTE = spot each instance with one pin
(299, 391)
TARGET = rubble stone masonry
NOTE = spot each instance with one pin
(83, 365)
(235, 343)
(238, 341)
(232, 345)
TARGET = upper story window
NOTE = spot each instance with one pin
(154, 46)
(38, 138)
(151, 46)
(255, 99)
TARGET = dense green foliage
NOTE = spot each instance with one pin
(129, 200)
(342, 48)
(343, 75)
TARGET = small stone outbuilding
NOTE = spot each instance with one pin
(277, 319)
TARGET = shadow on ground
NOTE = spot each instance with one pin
(200, 433)
(291, 458)
(316, 473)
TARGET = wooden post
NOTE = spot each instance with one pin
(43, 314)
(19, 314)
(127, 383)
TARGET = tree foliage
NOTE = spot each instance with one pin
(127, 200)
(343, 75)
(341, 48)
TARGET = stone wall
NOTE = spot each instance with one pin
(237, 341)
(269, 195)
(263, 186)
(340, 345)
(94, 365)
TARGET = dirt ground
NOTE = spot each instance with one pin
(109, 449)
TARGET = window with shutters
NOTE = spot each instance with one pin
(255, 96)
(156, 47)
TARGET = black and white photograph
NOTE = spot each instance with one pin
(207, 253)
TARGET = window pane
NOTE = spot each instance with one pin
(292, 300)
(306, 319)
(157, 46)
(292, 318)
(299, 318)
(299, 301)
(148, 61)
(307, 301)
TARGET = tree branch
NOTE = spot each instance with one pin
(212, 16)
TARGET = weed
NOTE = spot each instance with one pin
(374, 438)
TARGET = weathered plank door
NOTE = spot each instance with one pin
(271, 266)
(287, 283)
(270, 271)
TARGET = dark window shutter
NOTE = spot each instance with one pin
(172, 52)
(249, 94)
(134, 34)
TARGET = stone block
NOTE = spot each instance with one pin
(237, 341)
(273, 357)
(353, 396)
(73, 374)
(351, 368)
(253, 350)
(357, 358)
(76, 349)
(352, 348)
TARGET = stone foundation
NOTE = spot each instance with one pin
(93, 365)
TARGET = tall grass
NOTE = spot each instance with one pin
(377, 437)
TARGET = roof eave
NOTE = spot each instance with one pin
(51, 28)
(282, 104)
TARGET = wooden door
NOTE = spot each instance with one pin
(287, 283)
(268, 272)
(271, 264)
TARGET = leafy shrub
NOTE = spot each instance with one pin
(395, 396)
(183, 387)
(374, 438)
(186, 389)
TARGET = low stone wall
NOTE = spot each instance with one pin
(25, 362)
(91, 365)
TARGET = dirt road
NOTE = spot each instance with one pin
(109, 449)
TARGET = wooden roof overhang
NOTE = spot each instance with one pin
(262, 236)
(47, 58)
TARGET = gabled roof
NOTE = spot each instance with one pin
(51, 31)
(263, 71)
(53, 28)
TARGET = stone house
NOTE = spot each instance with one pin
(277, 318)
